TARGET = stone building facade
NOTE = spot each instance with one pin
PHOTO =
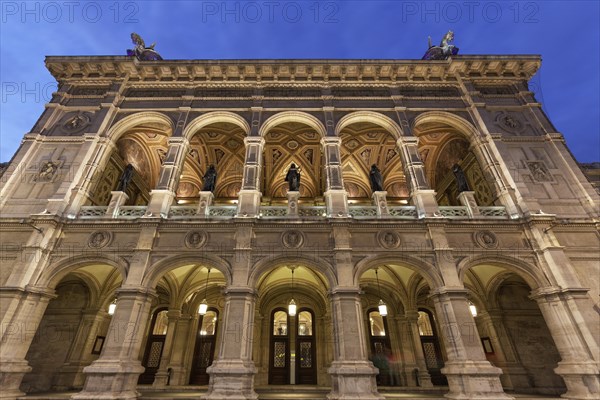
(489, 291)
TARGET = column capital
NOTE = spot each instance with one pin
(254, 140)
(178, 140)
(347, 291)
(239, 291)
(450, 291)
(331, 140)
(134, 291)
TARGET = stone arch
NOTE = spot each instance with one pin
(314, 263)
(369, 116)
(532, 276)
(56, 272)
(293, 116)
(428, 271)
(214, 117)
(460, 124)
(156, 271)
(140, 118)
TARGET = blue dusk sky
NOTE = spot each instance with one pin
(565, 33)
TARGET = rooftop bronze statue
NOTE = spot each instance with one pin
(443, 51)
(293, 178)
(141, 52)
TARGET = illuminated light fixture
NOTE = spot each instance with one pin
(112, 307)
(204, 305)
(473, 309)
(382, 307)
(292, 304)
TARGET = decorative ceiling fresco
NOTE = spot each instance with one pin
(222, 145)
(365, 144)
(145, 147)
(288, 143)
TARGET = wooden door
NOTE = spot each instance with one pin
(306, 360)
(204, 350)
(154, 347)
(279, 354)
(380, 346)
(431, 348)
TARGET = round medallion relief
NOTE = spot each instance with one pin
(388, 239)
(77, 122)
(292, 239)
(99, 239)
(486, 239)
(195, 239)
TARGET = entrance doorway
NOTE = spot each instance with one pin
(380, 347)
(431, 348)
(292, 355)
(204, 351)
(154, 347)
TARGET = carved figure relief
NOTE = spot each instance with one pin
(292, 239)
(508, 123)
(195, 239)
(47, 171)
(539, 171)
(76, 123)
(388, 239)
(485, 239)
(99, 239)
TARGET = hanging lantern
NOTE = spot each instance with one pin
(473, 309)
(204, 305)
(112, 307)
(382, 307)
(292, 304)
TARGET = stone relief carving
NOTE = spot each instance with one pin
(539, 171)
(99, 239)
(47, 171)
(195, 239)
(388, 239)
(508, 123)
(73, 124)
(485, 239)
(292, 239)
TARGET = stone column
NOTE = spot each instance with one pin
(249, 196)
(162, 375)
(506, 357)
(117, 199)
(232, 373)
(467, 199)
(336, 197)
(17, 335)
(114, 375)
(470, 375)
(162, 197)
(71, 373)
(292, 205)
(577, 366)
(415, 339)
(380, 201)
(423, 197)
(352, 374)
(180, 353)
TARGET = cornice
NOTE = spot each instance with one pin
(117, 67)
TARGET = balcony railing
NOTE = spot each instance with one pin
(493, 212)
(227, 211)
(454, 212)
